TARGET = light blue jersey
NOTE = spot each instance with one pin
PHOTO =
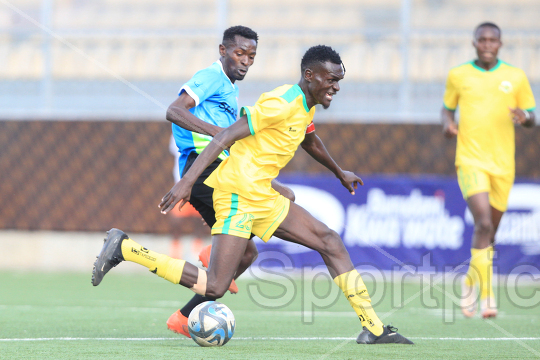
(216, 102)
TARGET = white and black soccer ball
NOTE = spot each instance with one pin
(211, 324)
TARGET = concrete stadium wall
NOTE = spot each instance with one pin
(76, 251)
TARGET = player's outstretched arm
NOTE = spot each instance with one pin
(314, 146)
(181, 191)
(178, 113)
(450, 128)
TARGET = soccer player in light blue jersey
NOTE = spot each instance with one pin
(207, 104)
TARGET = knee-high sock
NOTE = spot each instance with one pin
(355, 291)
(162, 265)
(471, 278)
(481, 270)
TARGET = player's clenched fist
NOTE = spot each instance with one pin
(450, 129)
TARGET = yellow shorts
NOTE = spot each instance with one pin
(473, 180)
(241, 217)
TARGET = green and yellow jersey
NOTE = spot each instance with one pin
(278, 123)
(486, 131)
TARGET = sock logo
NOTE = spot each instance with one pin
(154, 271)
(350, 296)
(366, 319)
(137, 252)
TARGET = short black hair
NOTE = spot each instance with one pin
(487, 24)
(230, 33)
(320, 54)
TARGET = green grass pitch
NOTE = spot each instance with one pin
(62, 316)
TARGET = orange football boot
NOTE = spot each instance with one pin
(489, 308)
(178, 324)
(204, 257)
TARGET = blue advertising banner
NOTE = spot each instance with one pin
(423, 222)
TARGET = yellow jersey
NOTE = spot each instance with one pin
(278, 123)
(485, 130)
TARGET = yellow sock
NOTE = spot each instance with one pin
(355, 291)
(482, 264)
(472, 274)
(161, 265)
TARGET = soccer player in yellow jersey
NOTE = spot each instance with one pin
(263, 141)
(492, 96)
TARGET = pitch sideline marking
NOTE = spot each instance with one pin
(265, 338)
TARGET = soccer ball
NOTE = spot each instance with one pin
(211, 324)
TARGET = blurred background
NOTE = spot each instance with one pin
(84, 86)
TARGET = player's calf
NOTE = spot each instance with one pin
(204, 257)
(334, 253)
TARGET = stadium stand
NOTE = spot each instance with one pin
(140, 40)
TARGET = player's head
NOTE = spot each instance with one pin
(322, 69)
(238, 50)
(487, 41)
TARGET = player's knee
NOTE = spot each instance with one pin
(250, 255)
(483, 227)
(215, 290)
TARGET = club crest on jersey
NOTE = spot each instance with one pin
(506, 87)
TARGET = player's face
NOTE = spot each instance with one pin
(487, 44)
(238, 57)
(324, 82)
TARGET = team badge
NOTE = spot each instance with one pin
(506, 87)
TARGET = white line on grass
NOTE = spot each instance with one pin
(266, 338)
(272, 313)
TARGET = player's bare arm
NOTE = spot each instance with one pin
(523, 117)
(450, 128)
(314, 146)
(181, 191)
(283, 190)
(178, 113)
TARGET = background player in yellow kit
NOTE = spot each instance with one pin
(263, 141)
(492, 96)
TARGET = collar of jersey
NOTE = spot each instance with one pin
(223, 71)
(299, 89)
(499, 62)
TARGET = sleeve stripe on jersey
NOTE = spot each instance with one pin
(447, 108)
(245, 111)
(190, 92)
(310, 128)
(531, 109)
